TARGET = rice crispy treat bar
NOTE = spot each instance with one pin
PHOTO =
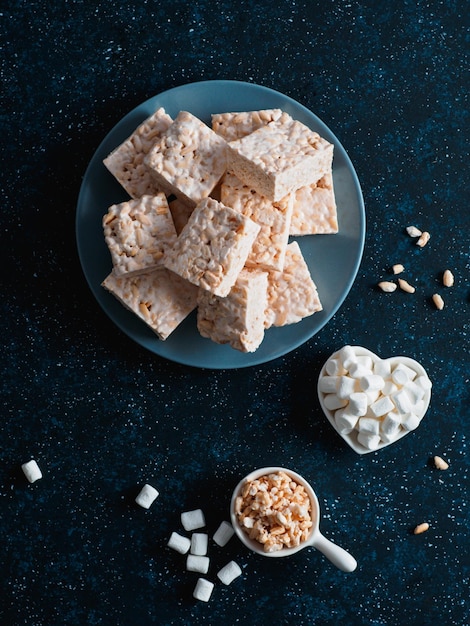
(160, 298)
(189, 159)
(212, 248)
(314, 211)
(138, 233)
(233, 126)
(237, 319)
(292, 294)
(280, 157)
(126, 162)
(269, 247)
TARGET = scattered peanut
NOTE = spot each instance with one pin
(440, 463)
(413, 231)
(421, 528)
(423, 239)
(447, 279)
(438, 301)
(405, 286)
(387, 286)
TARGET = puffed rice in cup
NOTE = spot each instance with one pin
(275, 510)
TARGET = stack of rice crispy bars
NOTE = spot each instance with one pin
(208, 222)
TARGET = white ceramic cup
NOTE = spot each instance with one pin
(338, 556)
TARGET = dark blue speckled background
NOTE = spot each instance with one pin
(102, 415)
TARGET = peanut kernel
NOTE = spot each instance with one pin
(405, 286)
(438, 301)
(387, 286)
(423, 239)
(413, 231)
(421, 528)
(447, 279)
(440, 463)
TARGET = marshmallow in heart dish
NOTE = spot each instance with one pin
(372, 402)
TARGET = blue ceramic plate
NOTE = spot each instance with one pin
(333, 259)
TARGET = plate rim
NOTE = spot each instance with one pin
(253, 360)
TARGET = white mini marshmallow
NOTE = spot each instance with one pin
(334, 367)
(369, 441)
(401, 374)
(357, 370)
(223, 534)
(382, 368)
(357, 404)
(390, 423)
(372, 382)
(346, 386)
(382, 406)
(229, 572)
(402, 401)
(179, 543)
(390, 438)
(390, 427)
(347, 356)
(31, 471)
(199, 544)
(328, 384)
(369, 413)
(372, 396)
(203, 590)
(365, 361)
(410, 421)
(368, 425)
(420, 409)
(345, 421)
(424, 382)
(196, 563)
(333, 402)
(147, 496)
(389, 388)
(192, 520)
(416, 392)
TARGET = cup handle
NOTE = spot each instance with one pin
(338, 556)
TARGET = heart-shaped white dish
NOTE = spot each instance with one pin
(362, 354)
